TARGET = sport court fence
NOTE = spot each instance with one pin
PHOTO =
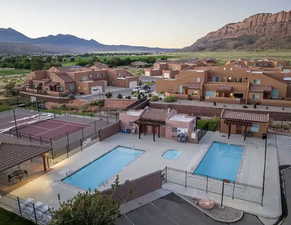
(65, 144)
(222, 188)
(76, 142)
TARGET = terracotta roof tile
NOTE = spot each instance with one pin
(245, 116)
(14, 154)
(155, 114)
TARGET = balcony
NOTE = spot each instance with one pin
(226, 100)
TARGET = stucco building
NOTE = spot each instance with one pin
(77, 80)
(230, 84)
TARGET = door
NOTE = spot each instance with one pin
(132, 84)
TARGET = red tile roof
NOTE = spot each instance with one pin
(14, 152)
(155, 114)
(245, 116)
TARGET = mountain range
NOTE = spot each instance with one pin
(260, 31)
(16, 43)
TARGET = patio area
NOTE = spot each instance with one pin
(47, 187)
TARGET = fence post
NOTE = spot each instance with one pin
(34, 212)
(82, 133)
(19, 206)
(52, 150)
(206, 184)
(95, 127)
(222, 193)
(185, 178)
(68, 145)
(233, 190)
(166, 177)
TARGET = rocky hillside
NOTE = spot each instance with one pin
(261, 31)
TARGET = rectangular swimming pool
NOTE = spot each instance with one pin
(104, 168)
(222, 161)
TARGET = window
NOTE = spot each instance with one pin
(215, 79)
(255, 128)
(71, 87)
(210, 93)
(84, 78)
(256, 96)
(257, 81)
(275, 93)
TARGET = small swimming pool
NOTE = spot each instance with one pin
(171, 154)
(104, 168)
(222, 161)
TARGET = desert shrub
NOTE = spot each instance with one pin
(155, 98)
(170, 99)
(208, 124)
(87, 208)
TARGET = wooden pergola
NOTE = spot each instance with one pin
(155, 125)
(155, 118)
(243, 119)
(245, 124)
(12, 155)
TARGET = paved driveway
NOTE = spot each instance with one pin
(284, 149)
(172, 210)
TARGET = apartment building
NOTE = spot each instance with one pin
(228, 84)
(77, 80)
(169, 69)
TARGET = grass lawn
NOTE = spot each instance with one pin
(8, 72)
(224, 56)
(8, 218)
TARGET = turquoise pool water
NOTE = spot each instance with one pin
(171, 154)
(222, 161)
(102, 169)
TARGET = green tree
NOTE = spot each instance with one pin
(10, 89)
(37, 63)
(87, 209)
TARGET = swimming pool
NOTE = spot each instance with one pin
(171, 154)
(222, 161)
(102, 169)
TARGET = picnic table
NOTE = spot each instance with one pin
(18, 174)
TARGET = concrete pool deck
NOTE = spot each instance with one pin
(47, 187)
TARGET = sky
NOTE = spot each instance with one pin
(155, 23)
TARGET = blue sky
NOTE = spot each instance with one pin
(162, 23)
